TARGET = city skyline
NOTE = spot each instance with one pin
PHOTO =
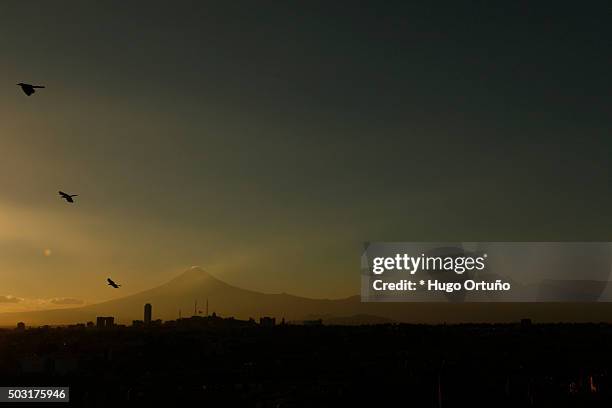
(180, 297)
(297, 204)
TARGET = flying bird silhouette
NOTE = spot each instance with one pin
(67, 197)
(113, 284)
(28, 89)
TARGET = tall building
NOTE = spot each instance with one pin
(148, 311)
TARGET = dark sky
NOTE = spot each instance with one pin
(266, 140)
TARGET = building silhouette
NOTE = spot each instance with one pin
(148, 311)
(267, 321)
(103, 322)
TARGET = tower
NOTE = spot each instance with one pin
(148, 311)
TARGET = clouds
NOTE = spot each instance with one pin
(66, 301)
(10, 303)
(9, 299)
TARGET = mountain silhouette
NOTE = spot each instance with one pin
(196, 284)
(226, 300)
(182, 292)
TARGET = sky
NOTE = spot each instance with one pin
(266, 141)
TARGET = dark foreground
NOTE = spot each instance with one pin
(318, 366)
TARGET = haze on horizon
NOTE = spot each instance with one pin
(267, 143)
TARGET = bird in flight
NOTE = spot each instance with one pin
(67, 197)
(28, 89)
(113, 284)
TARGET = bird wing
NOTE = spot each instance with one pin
(63, 194)
(69, 199)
